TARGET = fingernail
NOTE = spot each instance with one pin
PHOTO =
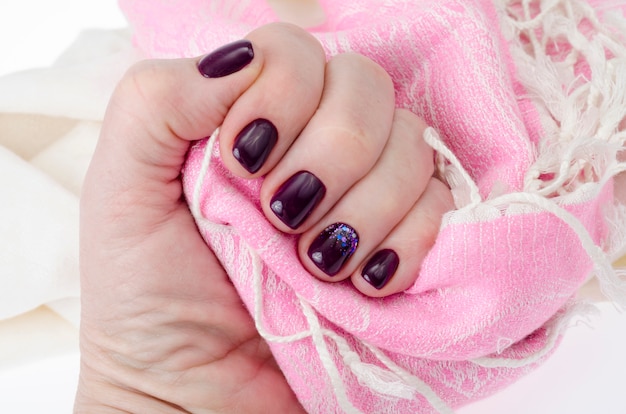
(297, 197)
(227, 59)
(333, 247)
(254, 143)
(380, 268)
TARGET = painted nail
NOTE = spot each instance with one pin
(227, 59)
(380, 268)
(254, 143)
(297, 197)
(333, 247)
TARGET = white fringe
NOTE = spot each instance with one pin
(584, 120)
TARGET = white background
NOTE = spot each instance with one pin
(34, 32)
(39, 353)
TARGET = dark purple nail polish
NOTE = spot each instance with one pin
(333, 247)
(254, 143)
(297, 197)
(380, 268)
(227, 59)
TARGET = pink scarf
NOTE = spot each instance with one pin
(526, 98)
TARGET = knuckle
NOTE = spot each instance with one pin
(444, 201)
(366, 67)
(426, 216)
(408, 143)
(150, 94)
(146, 81)
(352, 140)
(283, 33)
(424, 236)
(409, 120)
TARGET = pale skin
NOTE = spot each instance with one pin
(162, 329)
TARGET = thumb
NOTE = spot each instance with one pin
(157, 109)
(161, 105)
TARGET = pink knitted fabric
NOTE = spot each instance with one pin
(527, 108)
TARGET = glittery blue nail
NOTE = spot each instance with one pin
(333, 247)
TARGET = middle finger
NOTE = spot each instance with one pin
(339, 145)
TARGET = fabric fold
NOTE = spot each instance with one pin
(531, 221)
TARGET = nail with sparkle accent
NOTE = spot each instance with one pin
(333, 247)
(380, 268)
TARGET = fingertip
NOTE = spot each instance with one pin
(327, 254)
(226, 59)
(253, 145)
(380, 268)
(383, 274)
(178, 97)
(394, 267)
(284, 97)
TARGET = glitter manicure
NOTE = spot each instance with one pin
(333, 247)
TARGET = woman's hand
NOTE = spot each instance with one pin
(163, 329)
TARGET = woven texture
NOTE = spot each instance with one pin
(526, 107)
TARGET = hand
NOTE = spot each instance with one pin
(163, 329)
